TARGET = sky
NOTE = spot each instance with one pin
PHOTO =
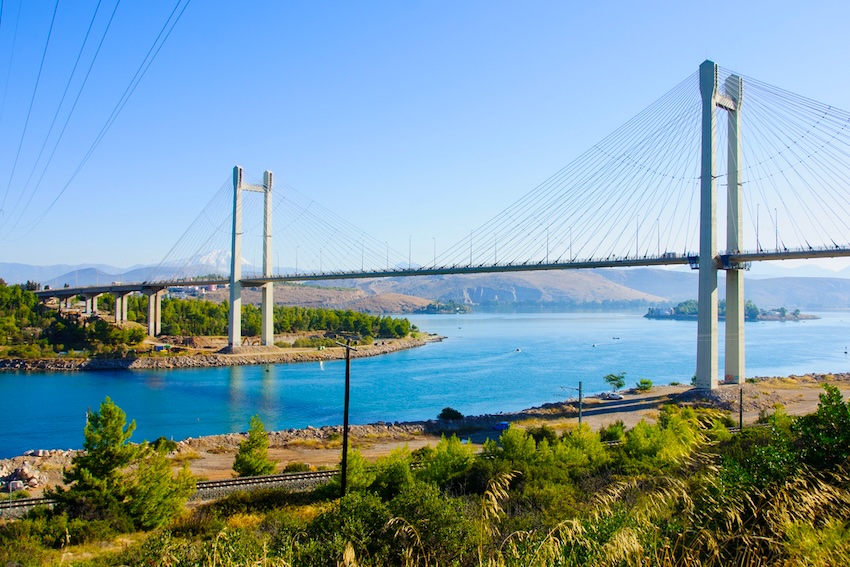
(416, 121)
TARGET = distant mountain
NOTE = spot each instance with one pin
(566, 286)
(807, 293)
(763, 270)
(554, 288)
(13, 273)
(804, 293)
(672, 285)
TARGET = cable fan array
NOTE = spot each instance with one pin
(308, 239)
(633, 195)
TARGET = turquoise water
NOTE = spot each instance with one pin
(488, 363)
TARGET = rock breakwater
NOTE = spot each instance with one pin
(207, 360)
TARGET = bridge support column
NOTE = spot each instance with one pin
(91, 303)
(734, 359)
(706, 371)
(234, 321)
(268, 288)
(154, 311)
(122, 307)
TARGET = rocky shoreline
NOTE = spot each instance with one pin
(244, 356)
(38, 468)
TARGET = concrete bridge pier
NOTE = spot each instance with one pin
(122, 307)
(91, 303)
(154, 310)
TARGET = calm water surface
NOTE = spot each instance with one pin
(488, 363)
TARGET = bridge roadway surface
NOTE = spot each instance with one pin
(724, 260)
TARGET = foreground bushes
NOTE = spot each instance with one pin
(679, 492)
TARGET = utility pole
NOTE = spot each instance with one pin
(579, 403)
(741, 409)
(344, 475)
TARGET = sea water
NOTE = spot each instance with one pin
(488, 363)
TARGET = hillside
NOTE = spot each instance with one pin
(548, 289)
(807, 293)
(566, 286)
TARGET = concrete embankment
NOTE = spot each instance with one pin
(204, 360)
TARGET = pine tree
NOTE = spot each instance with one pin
(154, 495)
(253, 456)
(128, 485)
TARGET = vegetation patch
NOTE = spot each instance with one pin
(680, 491)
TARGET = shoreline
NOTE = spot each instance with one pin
(241, 357)
(211, 456)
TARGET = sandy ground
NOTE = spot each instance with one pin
(212, 457)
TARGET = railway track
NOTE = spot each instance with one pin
(205, 489)
(213, 489)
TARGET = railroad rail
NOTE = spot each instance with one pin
(205, 489)
(213, 489)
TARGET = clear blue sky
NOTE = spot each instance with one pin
(411, 119)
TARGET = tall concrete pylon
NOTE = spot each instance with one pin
(734, 356)
(709, 261)
(234, 322)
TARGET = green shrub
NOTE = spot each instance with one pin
(252, 459)
(392, 473)
(449, 461)
(450, 414)
(644, 385)
(613, 431)
(360, 519)
(296, 467)
(432, 526)
(165, 445)
(543, 432)
(825, 434)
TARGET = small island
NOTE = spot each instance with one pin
(688, 311)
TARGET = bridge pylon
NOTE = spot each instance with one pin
(234, 322)
(729, 99)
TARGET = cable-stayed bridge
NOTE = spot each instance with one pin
(646, 195)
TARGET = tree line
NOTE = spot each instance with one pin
(29, 329)
(202, 317)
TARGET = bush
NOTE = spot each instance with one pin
(252, 459)
(450, 414)
(543, 432)
(431, 524)
(613, 432)
(644, 385)
(164, 445)
(825, 435)
(296, 467)
(359, 520)
(450, 460)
